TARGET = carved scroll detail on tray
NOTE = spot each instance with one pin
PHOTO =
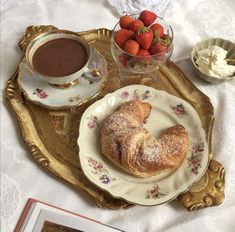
(11, 89)
(208, 191)
(37, 154)
(32, 32)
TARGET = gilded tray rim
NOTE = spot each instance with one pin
(101, 34)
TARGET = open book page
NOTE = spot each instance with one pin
(41, 217)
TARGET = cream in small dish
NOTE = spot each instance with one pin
(213, 60)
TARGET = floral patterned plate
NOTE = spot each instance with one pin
(40, 92)
(167, 111)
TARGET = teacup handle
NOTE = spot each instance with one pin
(92, 75)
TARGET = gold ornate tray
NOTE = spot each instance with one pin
(51, 135)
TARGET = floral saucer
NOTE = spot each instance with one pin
(40, 92)
(167, 111)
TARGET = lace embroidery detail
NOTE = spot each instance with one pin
(134, 6)
(208, 16)
(10, 201)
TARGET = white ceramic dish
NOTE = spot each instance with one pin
(167, 110)
(40, 92)
(225, 44)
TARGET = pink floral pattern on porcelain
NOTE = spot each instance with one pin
(99, 169)
(198, 147)
(179, 110)
(137, 95)
(125, 95)
(92, 121)
(154, 192)
(194, 161)
(40, 93)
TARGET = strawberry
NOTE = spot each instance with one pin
(125, 21)
(143, 56)
(158, 28)
(122, 35)
(144, 37)
(136, 25)
(157, 48)
(160, 45)
(148, 17)
(131, 47)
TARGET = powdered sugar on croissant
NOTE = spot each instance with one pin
(129, 145)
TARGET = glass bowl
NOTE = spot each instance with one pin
(133, 64)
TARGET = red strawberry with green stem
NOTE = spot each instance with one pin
(131, 47)
(136, 25)
(158, 48)
(144, 37)
(122, 35)
(125, 21)
(158, 28)
(160, 45)
(148, 17)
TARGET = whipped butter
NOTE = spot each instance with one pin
(211, 61)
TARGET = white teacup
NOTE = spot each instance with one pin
(60, 57)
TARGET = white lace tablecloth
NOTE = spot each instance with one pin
(21, 178)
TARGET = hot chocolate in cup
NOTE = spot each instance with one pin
(60, 57)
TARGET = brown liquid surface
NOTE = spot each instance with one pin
(59, 57)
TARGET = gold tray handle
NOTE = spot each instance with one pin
(208, 191)
(32, 32)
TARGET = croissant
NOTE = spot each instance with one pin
(126, 143)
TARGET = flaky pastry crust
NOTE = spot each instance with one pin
(129, 145)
